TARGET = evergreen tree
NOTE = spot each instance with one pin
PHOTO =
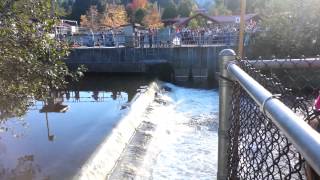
(233, 6)
(139, 15)
(288, 27)
(170, 10)
(79, 8)
(255, 6)
(185, 7)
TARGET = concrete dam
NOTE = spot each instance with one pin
(178, 63)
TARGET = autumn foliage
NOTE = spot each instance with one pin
(153, 18)
(91, 19)
(114, 16)
(139, 4)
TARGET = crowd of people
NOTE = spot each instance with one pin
(215, 34)
(149, 38)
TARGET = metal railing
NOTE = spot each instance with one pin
(146, 41)
(214, 39)
(262, 134)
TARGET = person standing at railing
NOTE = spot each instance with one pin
(136, 38)
(202, 32)
(314, 118)
(150, 38)
(317, 104)
(315, 124)
(141, 39)
(155, 35)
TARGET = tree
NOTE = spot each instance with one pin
(31, 61)
(84, 21)
(165, 3)
(114, 16)
(139, 15)
(254, 6)
(232, 5)
(153, 19)
(185, 7)
(65, 7)
(130, 12)
(137, 10)
(91, 19)
(79, 8)
(288, 27)
(139, 4)
(193, 24)
(196, 22)
(170, 11)
(219, 8)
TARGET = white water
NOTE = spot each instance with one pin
(106, 155)
(178, 138)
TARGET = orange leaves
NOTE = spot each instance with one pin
(153, 18)
(91, 19)
(84, 21)
(114, 16)
(139, 4)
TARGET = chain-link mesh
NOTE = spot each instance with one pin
(258, 149)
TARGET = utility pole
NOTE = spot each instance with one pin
(52, 8)
(242, 27)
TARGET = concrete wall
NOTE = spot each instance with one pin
(200, 62)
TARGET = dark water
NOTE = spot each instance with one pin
(56, 137)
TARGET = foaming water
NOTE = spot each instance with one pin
(178, 138)
(106, 155)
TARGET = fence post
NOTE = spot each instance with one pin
(225, 108)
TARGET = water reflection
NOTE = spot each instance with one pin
(50, 136)
(54, 103)
(99, 85)
(25, 169)
(64, 127)
(13, 107)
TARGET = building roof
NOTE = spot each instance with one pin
(232, 18)
(185, 20)
(217, 19)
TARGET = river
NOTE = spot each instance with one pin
(115, 128)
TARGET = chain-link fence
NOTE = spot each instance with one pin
(257, 147)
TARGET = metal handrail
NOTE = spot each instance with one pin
(305, 139)
(144, 41)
